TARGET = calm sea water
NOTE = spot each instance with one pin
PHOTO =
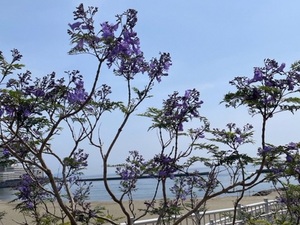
(146, 188)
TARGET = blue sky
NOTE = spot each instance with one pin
(210, 42)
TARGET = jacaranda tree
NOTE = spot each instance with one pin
(34, 111)
(273, 89)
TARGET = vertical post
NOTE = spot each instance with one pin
(267, 210)
(239, 211)
(131, 221)
(198, 217)
(266, 205)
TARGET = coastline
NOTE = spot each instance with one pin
(13, 218)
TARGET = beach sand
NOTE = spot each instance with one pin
(12, 217)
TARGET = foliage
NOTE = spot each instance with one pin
(290, 198)
(35, 111)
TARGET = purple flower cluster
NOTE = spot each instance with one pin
(84, 24)
(163, 166)
(127, 44)
(100, 102)
(179, 109)
(32, 97)
(108, 31)
(25, 189)
(77, 95)
(30, 104)
(159, 67)
(282, 160)
(46, 89)
(16, 55)
(267, 90)
(266, 150)
(131, 170)
(117, 43)
(233, 136)
(292, 153)
(268, 72)
(187, 186)
(78, 160)
(29, 192)
(106, 41)
(6, 152)
(13, 102)
(8, 67)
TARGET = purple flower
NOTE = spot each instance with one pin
(29, 205)
(163, 173)
(267, 149)
(166, 165)
(290, 84)
(24, 189)
(281, 67)
(239, 140)
(180, 109)
(75, 26)
(197, 133)
(6, 152)
(131, 17)
(270, 64)
(158, 68)
(16, 55)
(24, 111)
(180, 126)
(258, 76)
(78, 94)
(38, 92)
(130, 171)
(77, 161)
(108, 30)
(277, 170)
(292, 146)
(187, 94)
(289, 158)
(9, 111)
(81, 158)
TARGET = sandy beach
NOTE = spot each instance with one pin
(12, 217)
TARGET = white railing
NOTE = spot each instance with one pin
(262, 210)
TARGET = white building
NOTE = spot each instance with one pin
(15, 171)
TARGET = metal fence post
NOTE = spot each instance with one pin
(239, 212)
(266, 205)
(131, 221)
(267, 209)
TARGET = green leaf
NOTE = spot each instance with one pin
(18, 66)
(292, 100)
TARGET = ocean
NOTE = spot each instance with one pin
(145, 191)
